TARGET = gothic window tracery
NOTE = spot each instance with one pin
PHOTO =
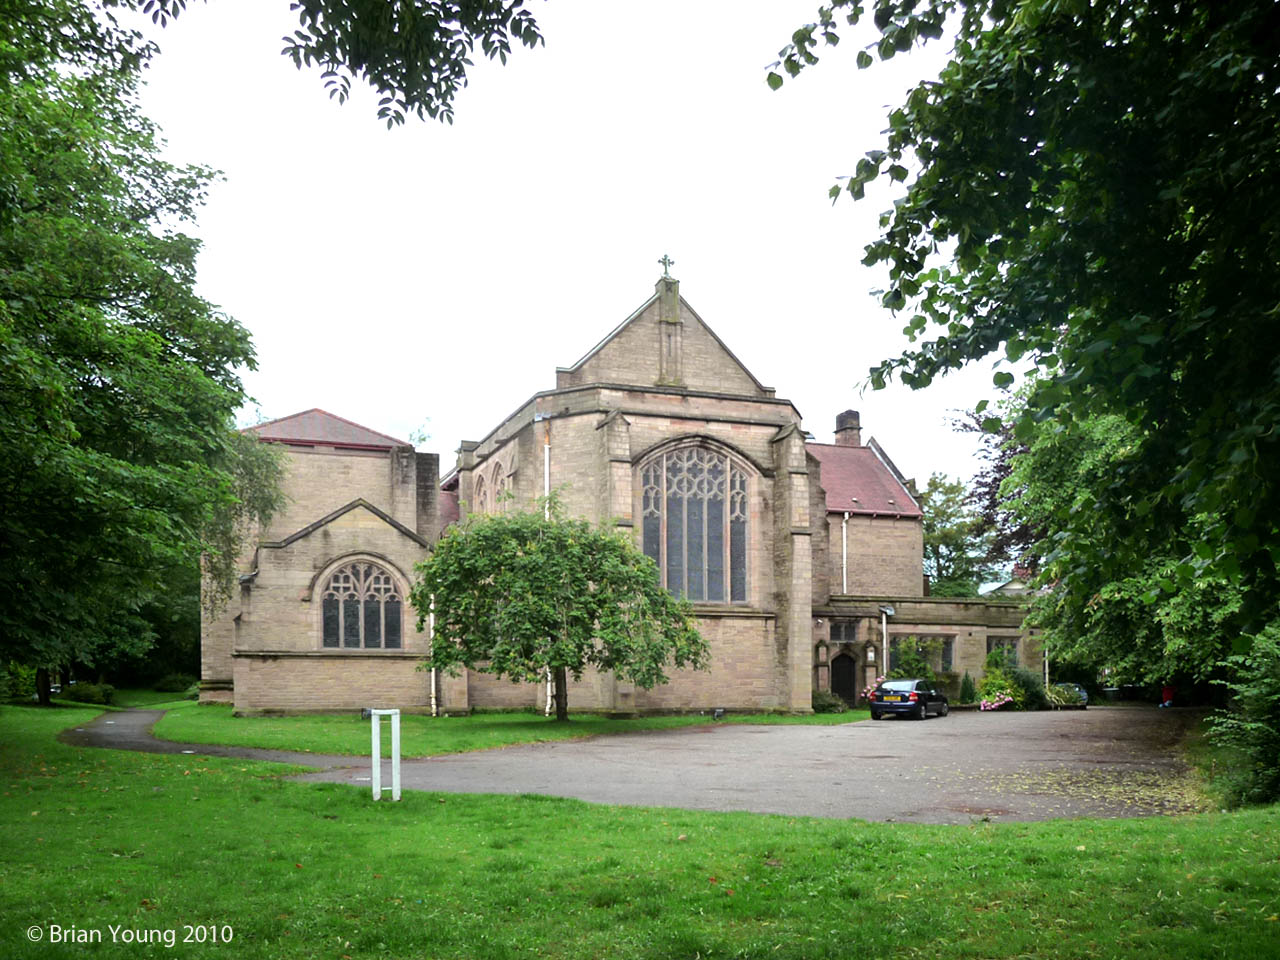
(480, 497)
(361, 607)
(694, 523)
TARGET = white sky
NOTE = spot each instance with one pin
(437, 275)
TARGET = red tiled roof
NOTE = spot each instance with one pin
(318, 426)
(849, 472)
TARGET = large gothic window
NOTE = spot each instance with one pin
(694, 516)
(361, 608)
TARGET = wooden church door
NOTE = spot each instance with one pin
(844, 678)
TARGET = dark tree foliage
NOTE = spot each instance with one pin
(415, 53)
(1098, 197)
(1009, 537)
(117, 383)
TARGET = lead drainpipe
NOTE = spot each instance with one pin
(844, 553)
(546, 509)
(431, 633)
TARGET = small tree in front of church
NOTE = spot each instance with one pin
(518, 594)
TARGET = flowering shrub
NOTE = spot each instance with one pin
(870, 688)
(997, 688)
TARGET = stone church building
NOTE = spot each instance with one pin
(801, 559)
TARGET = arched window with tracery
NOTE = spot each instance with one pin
(481, 492)
(361, 607)
(694, 522)
(498, 484)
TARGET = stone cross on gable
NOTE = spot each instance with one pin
(667, 264)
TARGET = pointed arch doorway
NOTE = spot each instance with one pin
(844, 678)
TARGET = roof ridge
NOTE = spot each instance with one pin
(320, 412)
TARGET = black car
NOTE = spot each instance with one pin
(912, 698)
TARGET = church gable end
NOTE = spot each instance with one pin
(664, 344)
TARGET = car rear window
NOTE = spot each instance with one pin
(899, 685)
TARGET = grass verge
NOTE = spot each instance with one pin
(151, 699)
(98, 838)
(423, 736)
(1217, 766)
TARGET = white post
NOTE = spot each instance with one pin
(395, 755)
(376, 771)
(375, 717)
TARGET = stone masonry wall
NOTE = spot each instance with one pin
(319, 480)
(332, 680)
(633, 357)
(743, 674)
(967, 622)
(283, 609)
(884, 555)
(824, 581)
(594, 692)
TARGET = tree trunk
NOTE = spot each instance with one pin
(42, 686)
(562, 693)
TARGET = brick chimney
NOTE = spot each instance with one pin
(848, 429)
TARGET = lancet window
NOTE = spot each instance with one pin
(499, 487)
(361, 607)
(694, 520)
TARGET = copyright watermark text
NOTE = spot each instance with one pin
(123, 933)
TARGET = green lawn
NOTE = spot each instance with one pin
(423, 736)
(96, 838)
(151, 699)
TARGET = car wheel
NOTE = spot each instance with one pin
(876, 716)
(923, 712)
(944, 711)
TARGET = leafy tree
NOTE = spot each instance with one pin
(1144, 624)
(1097, 195)
(517, 594)
(911, 658)
(415, 53)
(955, 549)
(1252, 729)
(117, 383)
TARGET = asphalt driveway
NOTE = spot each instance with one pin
(1103, 762)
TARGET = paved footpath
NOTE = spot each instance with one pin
(1107, 762)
